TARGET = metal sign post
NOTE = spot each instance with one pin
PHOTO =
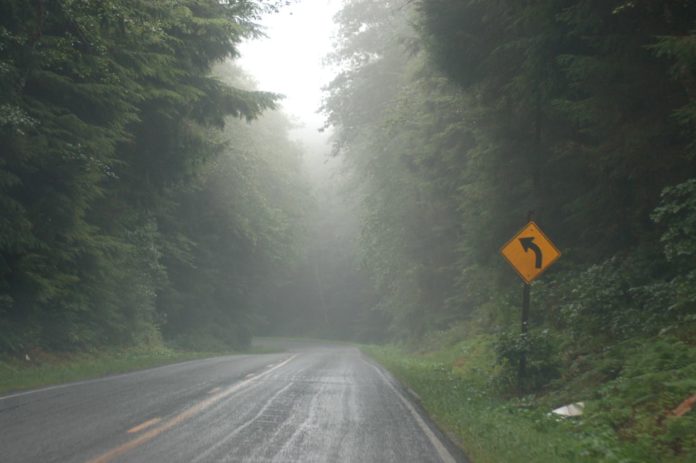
(530, 252)
(523, 355)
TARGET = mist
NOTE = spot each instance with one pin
(338, 218)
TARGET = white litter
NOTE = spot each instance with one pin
(570, 409)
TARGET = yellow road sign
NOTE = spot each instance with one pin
(530, 252)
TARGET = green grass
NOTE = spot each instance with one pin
(50, 368)
(452, 386)
(45, 369)
(457, 386)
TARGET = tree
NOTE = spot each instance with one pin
(107, 111)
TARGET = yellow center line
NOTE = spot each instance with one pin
(144, 425)
(181, 417)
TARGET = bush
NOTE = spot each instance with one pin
(657, 376)
(620, 298)
(542, 362)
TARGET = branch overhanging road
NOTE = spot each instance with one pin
(315, 403)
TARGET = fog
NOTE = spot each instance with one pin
(326, 291)
(150, 200)
(499, 195)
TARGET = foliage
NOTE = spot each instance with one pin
(242, 240)
(45, 369)
(655, 378)
(560, 109)
(541, 352)
(488, 429)
(108, 129)
(458, 118)
(386, 129)
(626, 419)
(677, 212)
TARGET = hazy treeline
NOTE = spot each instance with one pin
(459, 117)
(326, 292)
(136, 201)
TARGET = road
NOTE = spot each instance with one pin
(312, 403)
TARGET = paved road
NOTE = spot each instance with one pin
(316, 403)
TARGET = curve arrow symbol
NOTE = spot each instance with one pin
(527, 244)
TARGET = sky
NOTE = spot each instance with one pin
(289, 60)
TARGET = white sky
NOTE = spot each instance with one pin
(289, 60)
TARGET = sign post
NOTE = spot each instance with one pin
(525, 319)
(530, 252)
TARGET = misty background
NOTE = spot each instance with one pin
(195, 174)
(187, 175)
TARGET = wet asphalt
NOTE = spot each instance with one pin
(313, 403)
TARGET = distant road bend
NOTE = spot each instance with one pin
(315, 403)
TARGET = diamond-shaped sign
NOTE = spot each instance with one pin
(530, 252)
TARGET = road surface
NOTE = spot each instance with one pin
(313, 403)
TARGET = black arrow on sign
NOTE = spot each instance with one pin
(527, 244)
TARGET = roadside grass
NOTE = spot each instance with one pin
(46, 369)
(452, 386)
(456, 384)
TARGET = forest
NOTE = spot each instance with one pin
(151, 194)
(137, 201)
(459, 120)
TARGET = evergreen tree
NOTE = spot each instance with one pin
(107, 108)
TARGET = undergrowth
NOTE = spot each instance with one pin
(630, 390)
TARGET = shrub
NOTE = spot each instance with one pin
(542, 362)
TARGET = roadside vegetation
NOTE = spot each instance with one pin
(38, 369)
(139, 200)
(151, 196)
(460, 118)
(629, 394)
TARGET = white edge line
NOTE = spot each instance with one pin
(116, 376)
(442, 451)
